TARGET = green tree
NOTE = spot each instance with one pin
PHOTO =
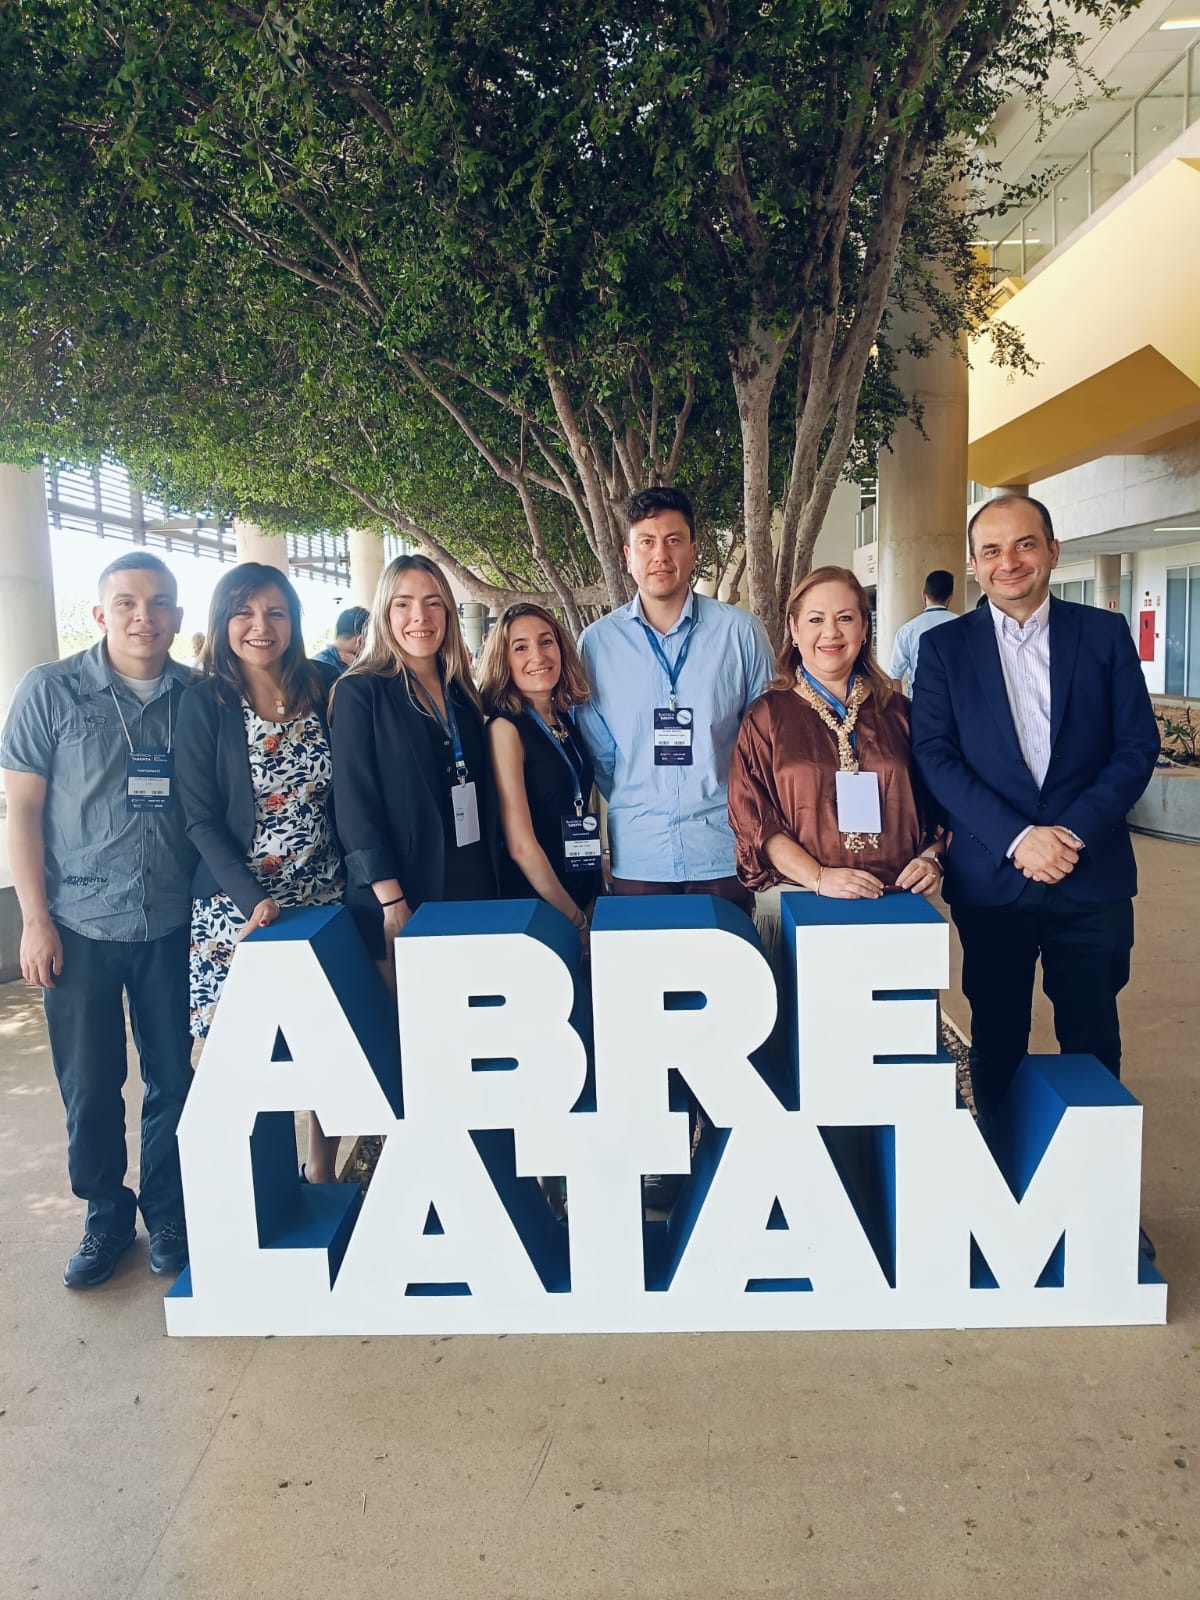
(479, 273)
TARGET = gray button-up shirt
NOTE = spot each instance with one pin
(111, 873)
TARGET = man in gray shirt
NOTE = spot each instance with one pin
(102, 869)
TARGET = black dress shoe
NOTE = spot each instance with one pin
(169, 1249)
(96, 1259)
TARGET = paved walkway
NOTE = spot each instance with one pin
(871, 1466)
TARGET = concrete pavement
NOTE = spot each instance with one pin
(872, 1466)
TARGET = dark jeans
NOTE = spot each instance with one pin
(724, 889)
(86, 1023)
(1085, 964)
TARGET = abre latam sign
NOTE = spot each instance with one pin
(839, 1182)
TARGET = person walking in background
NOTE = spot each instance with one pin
(101, 866)
(256, 778)
(415, 798)
(1033, 729)
(531, 680)
(348, 639)
(939, 586)
(672, 674)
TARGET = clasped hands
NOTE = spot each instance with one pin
(922, 875)
(1047, 855)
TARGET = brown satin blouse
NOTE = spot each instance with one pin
(781, 780)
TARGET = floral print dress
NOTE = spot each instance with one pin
(292, 854)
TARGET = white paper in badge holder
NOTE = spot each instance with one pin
(858, 802)
(466, 814)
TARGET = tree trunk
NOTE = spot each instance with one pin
(754, 365)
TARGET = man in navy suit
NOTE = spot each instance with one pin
(1032, 728)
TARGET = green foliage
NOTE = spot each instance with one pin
(476, 274)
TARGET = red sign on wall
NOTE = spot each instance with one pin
(1146, 636)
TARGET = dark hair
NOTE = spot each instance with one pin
(787, 662)
(496, 686)
(648, 503)
(1011, 500)
(137, 561)
(352, 622)
(939, 586)
(301, 682)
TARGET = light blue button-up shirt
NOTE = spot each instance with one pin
(670, 824)
(907, 646)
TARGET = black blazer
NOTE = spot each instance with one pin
(388, 813)
(212, 772)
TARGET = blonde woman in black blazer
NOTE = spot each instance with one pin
(413, 787)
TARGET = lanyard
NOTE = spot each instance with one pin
(125, 725)
(448, 724)
(562, 750)
(832, 701)
(672, 672)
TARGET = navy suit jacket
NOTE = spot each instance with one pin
(1103, 745)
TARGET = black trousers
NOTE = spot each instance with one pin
(85, 1019)
(1084, 951)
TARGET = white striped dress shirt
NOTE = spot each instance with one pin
(1025, 662)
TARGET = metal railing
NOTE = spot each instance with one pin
(1155, 119)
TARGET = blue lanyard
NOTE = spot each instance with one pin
(562, 750)
(448, 724)
(832, 701)
(672, 672)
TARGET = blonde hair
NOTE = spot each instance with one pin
(788, 662)
(382, 655)
(496, 684)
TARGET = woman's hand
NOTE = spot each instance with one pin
(849, 883)
(923, 875)
(263, 915)
(394, 918)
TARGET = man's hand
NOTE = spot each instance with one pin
(41, 953)
(1046, 854)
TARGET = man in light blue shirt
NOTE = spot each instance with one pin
(672, 674)
(939, 586)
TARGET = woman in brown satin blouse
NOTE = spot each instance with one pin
(829, 709)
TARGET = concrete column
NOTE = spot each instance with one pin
(269, 549)
(1108, 583)
(28, 624)
(366, 564)
(473, 613)
(922, 490)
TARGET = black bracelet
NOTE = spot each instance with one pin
(399, 901)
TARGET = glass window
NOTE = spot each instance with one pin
(1177, 587)
(1112, 161)
(1191, 680)
(1039, 231)
(1160, 116)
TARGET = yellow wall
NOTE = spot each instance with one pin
(1115, 324)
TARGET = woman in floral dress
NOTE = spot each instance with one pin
(255, 777)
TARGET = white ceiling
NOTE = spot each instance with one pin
(1127, 59)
